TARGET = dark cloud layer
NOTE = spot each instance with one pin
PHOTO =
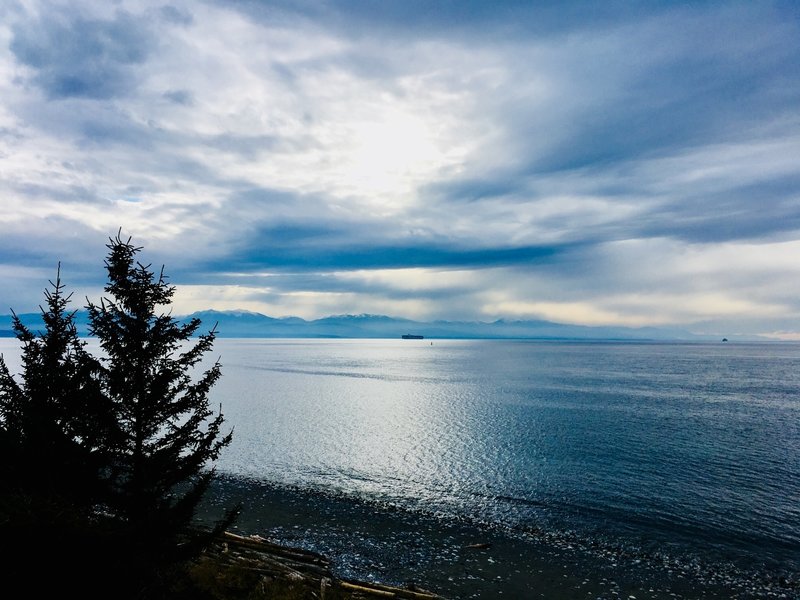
(306, 254)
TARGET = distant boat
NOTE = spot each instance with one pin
(409, 336)
(724, 339)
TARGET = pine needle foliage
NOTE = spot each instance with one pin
(53, 421)
(165, 432)
(107, 458)
(53, 427)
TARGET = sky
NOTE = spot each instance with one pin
(596, 163)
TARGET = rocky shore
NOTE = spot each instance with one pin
(385, 546)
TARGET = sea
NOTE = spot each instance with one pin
(520, 469)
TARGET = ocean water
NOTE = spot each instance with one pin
(670, 453)
(642, 446)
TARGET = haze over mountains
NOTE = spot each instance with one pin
(246, 324)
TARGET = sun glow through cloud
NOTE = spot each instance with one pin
(389, 156)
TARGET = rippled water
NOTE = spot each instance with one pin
(692, 448)
(690, 445)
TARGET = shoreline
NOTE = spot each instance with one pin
(461, 560)
(236, 566)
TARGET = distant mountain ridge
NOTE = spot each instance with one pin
(247, 324)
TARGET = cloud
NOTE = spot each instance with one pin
(182, 97)
(82, 57)
(592, 162)
(176, 15)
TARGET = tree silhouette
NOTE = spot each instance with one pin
(104, 460)
(52, 423)
(53, 426)
(165, 433)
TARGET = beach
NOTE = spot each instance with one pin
(463, 560)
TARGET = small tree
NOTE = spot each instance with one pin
(53, 426)
(165, 433)
(53, 422)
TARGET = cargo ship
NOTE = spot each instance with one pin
(409, 336)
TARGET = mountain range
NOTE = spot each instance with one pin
(246, 324)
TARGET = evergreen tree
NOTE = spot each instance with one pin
(53, 426)
(52, 422)
(165, 433)
(103, 462)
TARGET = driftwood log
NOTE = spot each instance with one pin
(256, 554)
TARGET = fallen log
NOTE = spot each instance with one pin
(389, 591)
(256, 554)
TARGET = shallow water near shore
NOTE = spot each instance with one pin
(458, 559)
